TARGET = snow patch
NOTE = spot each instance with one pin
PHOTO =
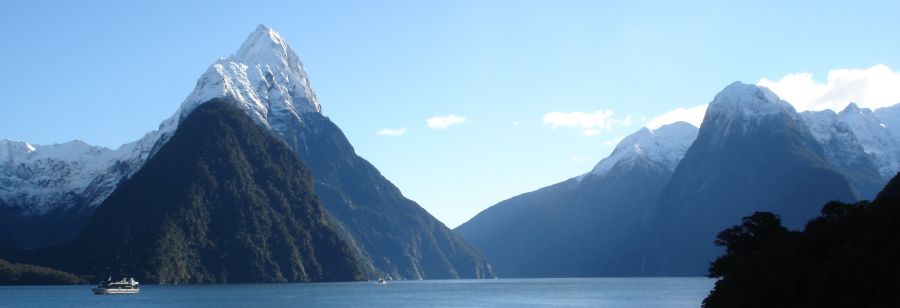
(265, 78)
(665, 145)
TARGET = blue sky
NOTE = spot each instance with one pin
(108, 72)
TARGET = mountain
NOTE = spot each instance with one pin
(26, 274)
(266, 80)
(753, 153)
(222, 201)
(48, 191)
(591, 225)
(875, 139)
(890, 117)
(397, 237)
(837, 134)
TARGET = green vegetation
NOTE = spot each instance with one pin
(26, 274)
(846, 257)
(222, 201)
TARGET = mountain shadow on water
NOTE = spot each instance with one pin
(223, 201)
(845, 257)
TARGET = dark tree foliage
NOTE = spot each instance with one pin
(26, 274)
(849, 256)
(758, 231)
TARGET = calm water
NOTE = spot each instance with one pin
(576, 292)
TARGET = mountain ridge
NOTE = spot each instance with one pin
(770, 162)
(588, 225)
(223, 201)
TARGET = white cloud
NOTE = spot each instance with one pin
(874, 87)
(591, 123)
(444, 122)
(693, 115)
(516, 123)
(391, 132)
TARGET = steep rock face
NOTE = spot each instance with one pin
(874, 137)
(264, 78)
(753, 153)
(222, 201)
(396, 236)
(845, 150)
(592, 225)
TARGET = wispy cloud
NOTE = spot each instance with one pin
(444, 122)
(874, 87)
(693, 115)
(591, 123)
(392, 132)
(613, 142)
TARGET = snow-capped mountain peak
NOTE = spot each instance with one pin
(746, 101)
(854, 108)
(665, 145)
(10, 149)
(741, 108)
(874, 137)
(37, 178)
(265, 46)
(823, 124)
(264, 77)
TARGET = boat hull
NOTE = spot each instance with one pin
(100, 291)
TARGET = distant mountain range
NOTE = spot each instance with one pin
(49, 192)
(588, 225)
(659, 211)
(753, 153)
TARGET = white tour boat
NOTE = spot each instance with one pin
(124, 286)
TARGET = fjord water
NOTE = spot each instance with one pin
(563, 292)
